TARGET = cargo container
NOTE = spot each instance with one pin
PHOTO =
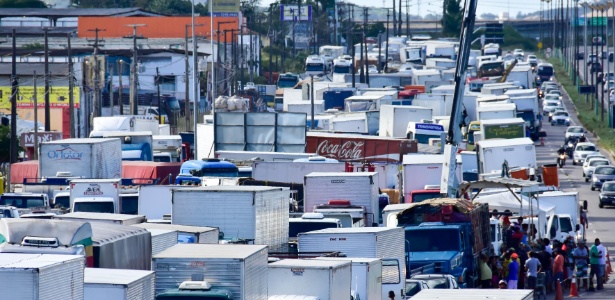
(102, 217)
(419, 172)
(503, 128)
(394, 119)
(86, 158)
(136, 145)
(359, 148)
(366, 276)
(155, 201)
(47, 276)
(150, 172)
(126, 123)
(241, 269)
(360, 188)
(327, 280)
(162, 239)
(116, 284)
(248, 213)
(187, 234)
(292, 171)
(366, 242)
(500, 111)
(262, 156)
(520, 152)
(112, 242)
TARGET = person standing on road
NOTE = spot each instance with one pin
(602, 261)
(513, 272)
(485, 272)
(594, 260)
(583, 214)
(533, 267)
(558, 266)
(581, 257)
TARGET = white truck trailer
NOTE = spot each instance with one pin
(95, 195)
(366, 276)
(85, 158)
(121, 219)
(327, 280)
(394, 119)
(41, 276)
(252, 213)
(499, 111)
(242, 269)
(519, 152)
(167, 148)
(115, 284)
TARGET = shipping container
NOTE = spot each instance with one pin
(162, 239)
(116, 284)
(359, 148)
(248, 213)
(327, 280)
(46, 276)
(360, 188)
(241, 269)
(87, 158)
(366, 276)
(394, 119)
(187, 234)
(121, 246)
(102, 217)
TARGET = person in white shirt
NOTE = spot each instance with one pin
(602, 259)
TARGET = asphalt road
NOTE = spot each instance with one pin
(570, 178)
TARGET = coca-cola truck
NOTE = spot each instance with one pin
(360, 148)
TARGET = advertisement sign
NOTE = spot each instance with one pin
(504, 131)
(292, 13)
(58, 97)
(360, 148)
(226, 8)
(27, 138)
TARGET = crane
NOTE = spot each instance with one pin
(507, 71)
(454, 137)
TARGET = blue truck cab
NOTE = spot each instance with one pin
(449, 233)
(191, 170)
(138, 151)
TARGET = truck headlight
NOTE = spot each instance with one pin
(456, 262)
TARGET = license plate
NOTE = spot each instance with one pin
(560, 121)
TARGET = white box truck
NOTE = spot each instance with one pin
(101, 217)
(85, 158)
(419, 171)
(327, 280)
(95, 195)
(240, 269)
(360, 188)
(394, 119)
(126, 123)
(420, 77)
(519, 152)
(112, 241)
(500, 111)
(503, 294)
(187, 234)
(293, 172)
(252, 213)
(162, 239)
(155, 201)
(117, 284)
(366, 276)
(167, 148)
(41, 276)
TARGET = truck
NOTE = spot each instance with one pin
(293, 171)
(155, 201)
(162, 239)
(565, 222)
(167, 148)
(360, 103)
(95, 195)
(430, 294)
(329, 53)
(192, 170)
(449, 233)
(492, 49)
(413, 55)
(125, 123)
(421, 77)
(106, 284)
(187, 234)
(522, 76)
(327, 280)
(7, 211)
(366, 276)
(350, 215)
(101, 217)
(527, 109)
(110, 242)
(371, 242)
(503, 128)
(360, 188)
(310, 222)
(490, 68)
(81, 157)
(422, 175)
(519, 152)
(287, 80)
(496, 111)
(136, 145)
(261, 156)
(239, 270)
(394, 119)
(315, 65)
(359, 148)
(334, 98)
(264, 212)
(47, 276)
(25, 202)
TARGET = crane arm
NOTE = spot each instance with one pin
(507, 71)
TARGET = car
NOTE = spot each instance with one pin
(576, 131)
(554, 92)
(553, 97)
(518, 52)
(557, 109)
(608, 76)
(609, 86)
(607, 194)
(438, 281)
(414, 286)
(595, 68)
(549, 106)
(580, 55)
(581, 151)
(591, 165)
(601, 175)
(610, 56)
(593, 155)
(560, 117)
(592, 58)
(544, 86)
(532, 59)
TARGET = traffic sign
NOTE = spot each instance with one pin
(539, 45)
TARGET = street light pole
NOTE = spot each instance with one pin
(195, 81)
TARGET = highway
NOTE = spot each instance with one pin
(570, 178)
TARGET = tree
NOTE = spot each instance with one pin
(5, 144)
(451, 21)
(22, 4)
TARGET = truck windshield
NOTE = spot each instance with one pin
(295, 228)
(97, 207)
(159, 158)
(341, 69)
(315, 67)
(61, 202)
(287, 82)
(544, 71)
(432, 240)
(130, 204)
(422, 138)
(420, 197)
(22, 201)
(527, 116)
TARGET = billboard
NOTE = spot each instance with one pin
(292, 13)
(226, 8)
(58, 96)
(27, 138)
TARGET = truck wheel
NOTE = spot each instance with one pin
(586, 179)
(600, 205)
(593, 188)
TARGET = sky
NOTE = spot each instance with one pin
(483, 6)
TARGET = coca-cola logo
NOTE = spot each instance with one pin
(346, 150)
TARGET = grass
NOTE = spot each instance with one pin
(585, 111)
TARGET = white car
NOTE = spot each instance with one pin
(560, 117)
(609, 86)
(576, 131)
(594, 155)
(414, 286)
(554, 92)
(532, 59)
(581, 151)
(553, 97)
(518, 52)
(548, 106)
(590, 166)
(438, 281)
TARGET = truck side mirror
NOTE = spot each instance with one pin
(585, 204)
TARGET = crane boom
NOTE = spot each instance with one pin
(454, 137)
(507, 71)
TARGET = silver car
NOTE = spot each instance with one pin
(601, 175)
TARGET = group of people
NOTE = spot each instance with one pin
(522, 263)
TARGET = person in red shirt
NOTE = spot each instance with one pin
(558, 265)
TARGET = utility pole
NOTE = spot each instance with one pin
(35, 99)
(394, 22)
(14, 90)
(187, 112)
(71, 87)
(97, 101)
(226, 66)
(158, 92)
(408, 18)
(386, 50)
(134, 109)
(111, 90)
(214, 79)
(400, 22)
(47, 108)
(120, 73)
(251, 59)
(271, 34)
